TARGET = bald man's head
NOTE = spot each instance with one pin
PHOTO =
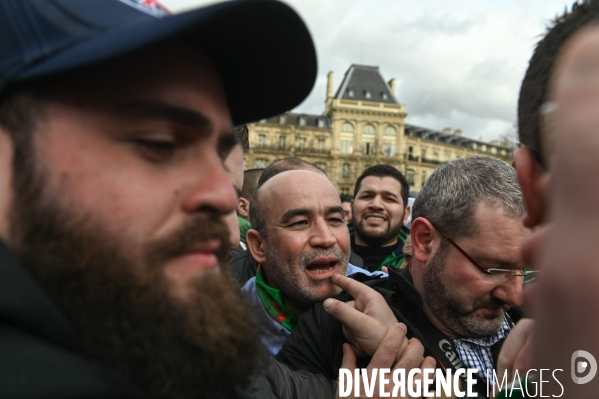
(299, 236)
(277, 182)
(283, 165)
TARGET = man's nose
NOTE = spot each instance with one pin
(510, 291)
(322, 235)
(376, 203)
(211, 192)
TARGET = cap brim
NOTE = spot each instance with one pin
(261, 49)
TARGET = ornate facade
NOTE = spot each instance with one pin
(362, 125)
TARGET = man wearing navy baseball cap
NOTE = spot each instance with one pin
(115, 118)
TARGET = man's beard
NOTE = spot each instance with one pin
(378, 238)
(120, 305)
(287, 275)
(453, 314)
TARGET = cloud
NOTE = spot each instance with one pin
(457, 63)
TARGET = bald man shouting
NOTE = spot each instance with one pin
(300, 239)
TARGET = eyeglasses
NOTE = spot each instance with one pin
(490, 274)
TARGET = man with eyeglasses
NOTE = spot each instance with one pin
(465, 273)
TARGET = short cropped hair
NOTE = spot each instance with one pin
(533, 92)
(346, 198)
(242, 134)
(383, 170)
(450, 195)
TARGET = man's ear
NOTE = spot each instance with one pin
(255, 243)
(243, 208)
(422, 239)
(534, 181)
(406, 214)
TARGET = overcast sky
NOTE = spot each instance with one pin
(457, 63)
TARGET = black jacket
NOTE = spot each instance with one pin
(38, 350)
(316, 342)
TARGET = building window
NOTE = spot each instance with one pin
(262, 141)
(260, 163)
(351, 93)
(322, 166)
(389, 150)
(346, 170)
(410, 176)
(345, 190)
(368, 94)
(347, 127)
(447, 156)
(282, 119)
(390, 131)
(282, 140)
(302, 121)
(423, 154)
(302, 144)
(320, 145)
(384, 95)
(368, 129)
(321, 122)
(423, 177)
(411, 151)
(347, 146)
(435, 156)
(368, 148)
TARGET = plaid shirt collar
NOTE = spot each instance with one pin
(490, 340)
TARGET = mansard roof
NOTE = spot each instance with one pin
(360, 80)
(293, 119)
(435, 135)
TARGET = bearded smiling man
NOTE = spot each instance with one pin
(114, 124)
(466, 271)
(379, 212)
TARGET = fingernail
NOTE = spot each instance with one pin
(328, 303)
(403, 327)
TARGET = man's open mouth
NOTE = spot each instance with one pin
(376, 218)
(323, 268)
(320, 268)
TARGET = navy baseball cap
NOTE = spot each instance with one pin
(261, 49)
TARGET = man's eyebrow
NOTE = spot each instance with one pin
(290, 214)
(384, 192)
(336, 209)
(160, 110)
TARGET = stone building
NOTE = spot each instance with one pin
(362, 125)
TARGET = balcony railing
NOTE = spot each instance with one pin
(287, 148)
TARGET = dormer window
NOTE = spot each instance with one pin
(321, 122)
(368, 94)
(384, 95)
(302, 121)
(282, 119)
(351, 92)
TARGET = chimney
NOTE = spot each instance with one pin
(448, 130)
(392, 86)
(330, 84)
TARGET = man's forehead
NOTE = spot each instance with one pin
(301, 180)
(380, 184)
